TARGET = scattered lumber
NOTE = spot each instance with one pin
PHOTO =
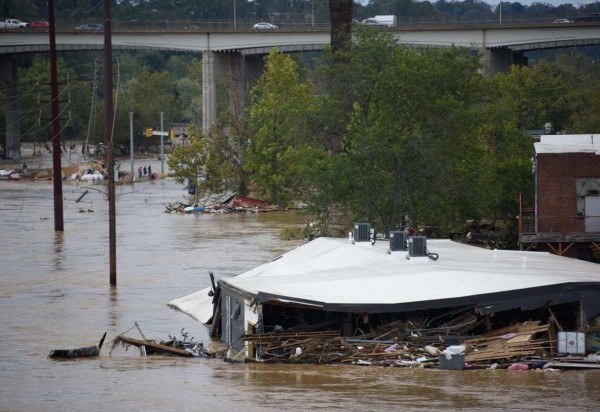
(157, 347)
(509, 342)
(330, 347)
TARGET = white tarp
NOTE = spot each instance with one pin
(335, 271)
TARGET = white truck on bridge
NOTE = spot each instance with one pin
(13, 24)
(388, 20)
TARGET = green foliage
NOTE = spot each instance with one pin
(214, 162)
(413, 139)
(150, 93)
(279, 117)
(188, 163)
(226, 160)
(34, 95)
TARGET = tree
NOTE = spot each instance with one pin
(413, 145)
(212, 163)
(550, 91)
(188, 163)
(508, 170)
(279, 116)
(34, 91)
(150, 93)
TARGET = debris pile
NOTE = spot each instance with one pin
(177, 207)
(233, 204)
(174, 346)
(511, 342)
(401, 343)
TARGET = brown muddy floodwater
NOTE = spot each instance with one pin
(54, 293)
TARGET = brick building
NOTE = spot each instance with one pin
(566, 216)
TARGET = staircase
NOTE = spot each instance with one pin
(528, 221)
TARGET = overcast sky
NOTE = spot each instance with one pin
(527, 2)
(553, 2)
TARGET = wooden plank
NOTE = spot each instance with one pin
(153, 345)
(520, 338)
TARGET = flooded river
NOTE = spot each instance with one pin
(55, 293)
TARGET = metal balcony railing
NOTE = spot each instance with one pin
(566, 224)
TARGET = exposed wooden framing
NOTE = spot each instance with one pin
(552, 247)
(154, 345)
(488, 322)
(554, 320)
(560, 250)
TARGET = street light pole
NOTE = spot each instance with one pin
(234, 16)
(500, 12)
(131, 145)
(162, 143)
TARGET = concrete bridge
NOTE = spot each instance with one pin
(239, 53)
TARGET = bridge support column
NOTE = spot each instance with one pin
(8, 76)
(239, 72)
(209, 91)
(499, 60)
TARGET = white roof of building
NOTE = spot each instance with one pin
(337, 272)
(568, 143)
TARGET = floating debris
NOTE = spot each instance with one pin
(84, 352)
(174, 346)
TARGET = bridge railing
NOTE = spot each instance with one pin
(192, 25)
(246, 25)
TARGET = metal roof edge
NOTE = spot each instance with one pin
(519, 297)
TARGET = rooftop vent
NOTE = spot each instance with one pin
(417, 246)
(397, 241)
(362, 232)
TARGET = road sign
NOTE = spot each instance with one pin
(157, 133)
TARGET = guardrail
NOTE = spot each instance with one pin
(566, 225)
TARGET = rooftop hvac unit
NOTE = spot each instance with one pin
(397, 240)
(417, 246)
(362, 232)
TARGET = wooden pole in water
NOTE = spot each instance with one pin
(56, 151)
(108, 141)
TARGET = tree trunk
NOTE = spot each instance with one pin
(340, 18)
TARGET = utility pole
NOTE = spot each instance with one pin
(234, 16)
(108, 142)
(85, 147)
(500, 12)
(131, 145)
(56, 152)
(162, 143)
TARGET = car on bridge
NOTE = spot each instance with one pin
(13, 24)
(264, 25)
(90, 26)
(39, 24)
(562, 21)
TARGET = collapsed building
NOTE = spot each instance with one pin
(438, 289)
